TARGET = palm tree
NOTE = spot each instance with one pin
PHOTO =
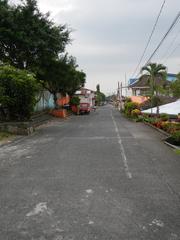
(155, 71)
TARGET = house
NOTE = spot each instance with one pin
(141, 87)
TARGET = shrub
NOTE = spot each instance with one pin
(18, 90)
(176, 136)
(140, 118)
(171, 127)
(129, 106)
(164, 116)
(135, 112)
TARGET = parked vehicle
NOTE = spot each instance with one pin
(85, 108)
(84, 105)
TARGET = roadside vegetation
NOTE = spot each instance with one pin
(161, 121)
(100, 97)
(177, 151)
(33, 58)
(4, 136)
(159, 88)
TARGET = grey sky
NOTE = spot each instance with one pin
(109, 36)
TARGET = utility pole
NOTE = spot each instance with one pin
(125, 85)
(118, 95)
(121, 96)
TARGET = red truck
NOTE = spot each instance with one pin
(84, 107)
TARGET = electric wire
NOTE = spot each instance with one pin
(164, 37)
(150, 37)
(165, 55)
(172, 53)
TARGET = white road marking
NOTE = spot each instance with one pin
(89, 191)
(158, 223)
(125, 162)
(40, 208)
(91, 222)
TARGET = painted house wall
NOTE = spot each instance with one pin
(46, 102)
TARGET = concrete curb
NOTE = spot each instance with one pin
(171, 145)
(166, 134)
(157, 129)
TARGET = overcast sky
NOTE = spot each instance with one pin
(109, 36)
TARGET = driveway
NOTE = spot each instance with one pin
(97, 176)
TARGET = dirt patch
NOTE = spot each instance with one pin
(6, 137)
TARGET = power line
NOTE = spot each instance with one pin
(165, 36)
(149, 39)
(172, 53)
(170, 46)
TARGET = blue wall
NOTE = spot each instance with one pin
(46, 102)
(170, 77)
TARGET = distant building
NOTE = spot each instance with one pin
(140, 87)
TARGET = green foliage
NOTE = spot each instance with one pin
(171, 127)
(100, 97)
(75, 101)
(176, 136)
(129, 107)
(61, 76)
(164, 116)
(29, 38)
(98, 88)
(18, 91)
(135, 113)
(175, 87)
(177, 151)
(154, 70)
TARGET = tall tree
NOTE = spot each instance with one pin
(100, 97)
(98, 88)
(29, 38)
(154, 71)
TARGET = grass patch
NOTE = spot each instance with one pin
(177, 151)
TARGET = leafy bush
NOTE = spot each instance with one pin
(171, 127)
(129, 106)
(135, 113)
(174, 139)
(176, 136)
(164, 117)
(75, 101)
(18, 90)
(140, 118)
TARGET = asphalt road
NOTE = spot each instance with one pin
(96, 176)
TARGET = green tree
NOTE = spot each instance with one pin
(100, 97)
(29, 38)
(61, 76)
(175, 86)
(97, 88)
(18, 90)
(154, 71)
